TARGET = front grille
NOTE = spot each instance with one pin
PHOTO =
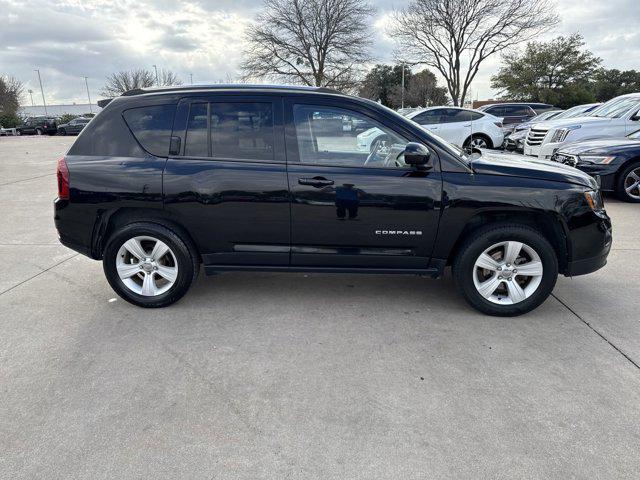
(536, 136)
(570, 160)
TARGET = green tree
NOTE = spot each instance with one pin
(422, 91)
(611, 83)
(10, 93)
(557, 72)
(383, 82)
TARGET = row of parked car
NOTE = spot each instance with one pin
(46, 125)
(600, 139)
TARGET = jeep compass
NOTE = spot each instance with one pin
(164, 182)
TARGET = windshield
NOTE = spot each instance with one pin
(615, 108)
(573, 112)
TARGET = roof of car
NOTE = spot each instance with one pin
(223, 87)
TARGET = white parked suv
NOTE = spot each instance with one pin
(616, 118)
(460, 126)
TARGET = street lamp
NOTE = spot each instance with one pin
(31, 95)
(191, 76)
(42, 91)
(86, 83)
(157, 81)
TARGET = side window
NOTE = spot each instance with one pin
(152, 127)
(324, 138)
(242, 131)
(428, 117)
(196, 140)
(497, 111)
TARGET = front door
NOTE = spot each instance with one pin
(354, 207)
(226, 181)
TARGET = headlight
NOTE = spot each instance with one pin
(596, 159)
(594, 199)
(561, 134)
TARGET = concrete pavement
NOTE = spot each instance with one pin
(303, 376)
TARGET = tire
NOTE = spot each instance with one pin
(516, 293)
(62, 131)
(625, 180)
(39, 131)
(147, 286)
(469, 142)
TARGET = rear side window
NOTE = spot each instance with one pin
(152, 127)
(231, 130)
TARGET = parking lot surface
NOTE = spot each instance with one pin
(265, 375)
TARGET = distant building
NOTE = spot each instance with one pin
(58, 110)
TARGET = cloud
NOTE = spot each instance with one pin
(68, 39)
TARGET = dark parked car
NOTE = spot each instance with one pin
(511, 113)
(74, 127)
(615, 160)
(38, 126)
(514, 140)
(241, 178)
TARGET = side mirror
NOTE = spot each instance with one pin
(636, 116)
(417, 155)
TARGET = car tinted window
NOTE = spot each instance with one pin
(430, 116)
(196, 143)
(238, 131)
(326, 136)
(455, 115)
(152, 127)
(517, 110)
(242, 131)
(497, 111)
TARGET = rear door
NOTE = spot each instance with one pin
(355, 209)
(226, 179)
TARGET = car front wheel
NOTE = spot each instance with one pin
(505, 270)
(149, 265)
(628, 185)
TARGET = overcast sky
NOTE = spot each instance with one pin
(69, 39)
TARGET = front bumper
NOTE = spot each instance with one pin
(543, 152)
(591, 245)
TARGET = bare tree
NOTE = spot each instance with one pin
(320, 43)
(456, 36)
(120, 82)
(11, 90)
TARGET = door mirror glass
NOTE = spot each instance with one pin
(416, 154)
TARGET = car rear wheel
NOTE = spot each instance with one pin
(149, 265)
(39, 131)
(478, 141)
(62, 131)
(628, 185)
(505, 270)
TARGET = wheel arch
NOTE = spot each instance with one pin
(624, 166)
(548, 224)
(479, 134)
(111, 221)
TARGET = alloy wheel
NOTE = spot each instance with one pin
(479, 142)
(146, 266)
(632, 184)
(507, 272)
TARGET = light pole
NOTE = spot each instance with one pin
(402, 95)
(31, 95)
(86, 83)
(157, 82)
(191, 76)
(42, 91)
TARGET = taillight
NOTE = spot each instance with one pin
(63, 179)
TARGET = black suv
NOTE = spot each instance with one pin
(38, 126)
(262, 178)
(74, 126)
(512, 114)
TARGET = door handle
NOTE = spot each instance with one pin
(315, 181)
